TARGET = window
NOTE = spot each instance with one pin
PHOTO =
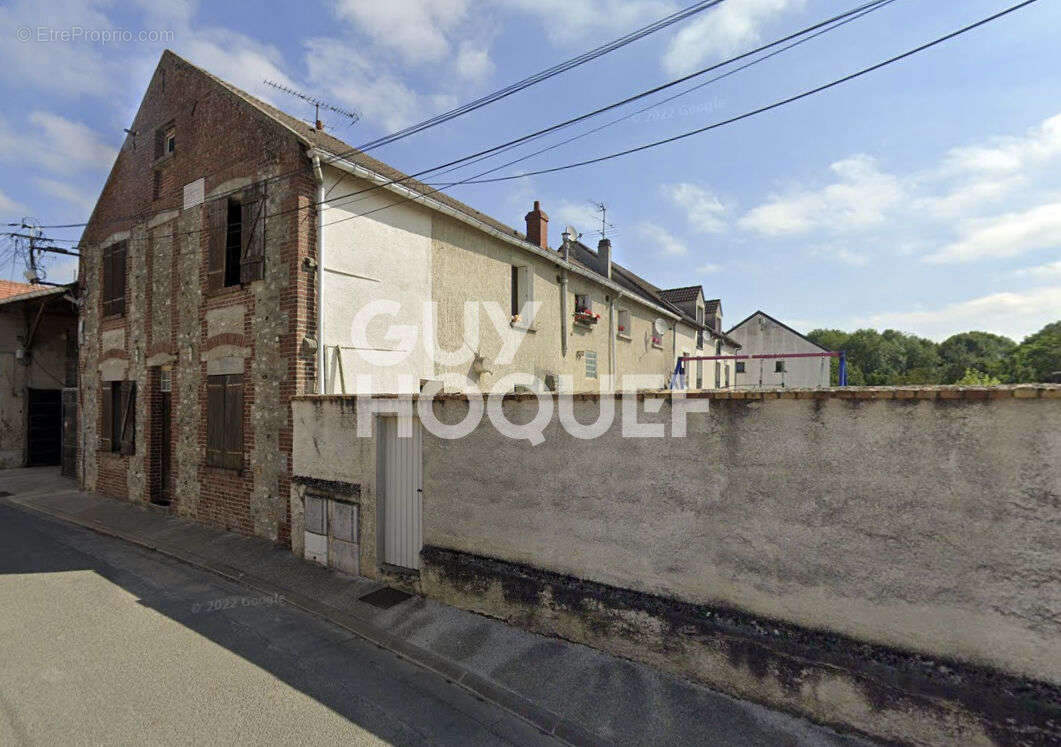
(237, 239)
(623, 327)
(699, 374)
(522, 294)
(233, 242)
(156, 185)
(740, 367)
(224, 421)
(591, 364)
(779, 366)
(114, 279)
(165, 141)
(583, 303)
(118, 408)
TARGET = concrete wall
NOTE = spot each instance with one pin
(762, 335)
(906, 523)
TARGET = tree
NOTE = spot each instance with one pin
(972, 377)
(980, 351)
(1038, 357)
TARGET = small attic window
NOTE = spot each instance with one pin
(171, 141)
(165, 141)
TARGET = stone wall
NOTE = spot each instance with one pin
(885, 559)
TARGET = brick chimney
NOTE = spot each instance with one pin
(604, 257)
(538, 226)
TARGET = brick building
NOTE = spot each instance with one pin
(207, 257)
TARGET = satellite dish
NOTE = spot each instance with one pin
(660, 325)
(572, 232)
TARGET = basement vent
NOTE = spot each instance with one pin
(385, 598)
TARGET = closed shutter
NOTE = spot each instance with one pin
(217, 232)
(128, 415)
(118, 278)
(215, 420)
(106, 404)
(252, 252)
(233, 457)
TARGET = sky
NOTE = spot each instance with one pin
(924, 197)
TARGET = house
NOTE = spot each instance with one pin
(708, 314)
(238, 256)
(762, 335)
(38, 371)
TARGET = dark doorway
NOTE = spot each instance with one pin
(45, 427)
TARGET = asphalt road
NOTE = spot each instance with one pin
(101, 642)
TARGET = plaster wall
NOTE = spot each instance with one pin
(762, 335)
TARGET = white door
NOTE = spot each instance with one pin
(401, 457)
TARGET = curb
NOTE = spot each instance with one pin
(546, 721)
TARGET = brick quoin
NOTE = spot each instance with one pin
(224, 139)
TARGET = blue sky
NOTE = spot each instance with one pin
(924, 197)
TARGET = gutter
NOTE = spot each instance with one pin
(318, 175)
(413, 195)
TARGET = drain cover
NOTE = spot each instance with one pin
(385, 598)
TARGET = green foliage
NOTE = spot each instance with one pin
(895, 358)
(972, 377)
(981, 351)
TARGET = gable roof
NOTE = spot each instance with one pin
(324, 141)
(682, 295)
(712, 305)
(780, 324)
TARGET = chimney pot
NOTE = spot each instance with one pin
(538, 226)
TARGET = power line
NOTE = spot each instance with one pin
(861, 9)
(762, 109)
(489, 98)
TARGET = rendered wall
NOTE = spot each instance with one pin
(890, 555)
(771, 337)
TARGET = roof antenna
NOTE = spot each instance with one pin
(604, 224)
(318, 104)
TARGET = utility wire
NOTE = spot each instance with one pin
(526, 138)
(490, 98)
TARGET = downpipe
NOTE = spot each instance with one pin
(318, 175)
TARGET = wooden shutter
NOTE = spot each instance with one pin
(118, 278)
(108, 281)
(233, 457)
(106, 428)
(215, 420)
(217, 233)
(128, 415)
(252, 251)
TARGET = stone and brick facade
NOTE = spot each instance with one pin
(176, 328)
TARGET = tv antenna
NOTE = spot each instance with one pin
(318, 104)
(604, 224)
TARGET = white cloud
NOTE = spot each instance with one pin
(728, 28)
(235, 58)
(704, 211)
(342, 73)
(417, 31)
(859, 198)
(709, 269)
(473, 63)
(1005, 235)
(1049, 271)
(56, 143)
(583, 216)
(567, 22)
(660, 239)
(67, 192)
(9, 206)
(1007, 155)
(1014, 314)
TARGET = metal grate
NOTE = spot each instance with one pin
(385, 598)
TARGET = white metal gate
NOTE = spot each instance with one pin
(402, 491)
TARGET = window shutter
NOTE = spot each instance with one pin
(526, 292)
(252, 253)
(107, 421)
(128, 413)
(233, 457)
(118, 278)
(217, 231)
(215, 420)
(108, 281)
